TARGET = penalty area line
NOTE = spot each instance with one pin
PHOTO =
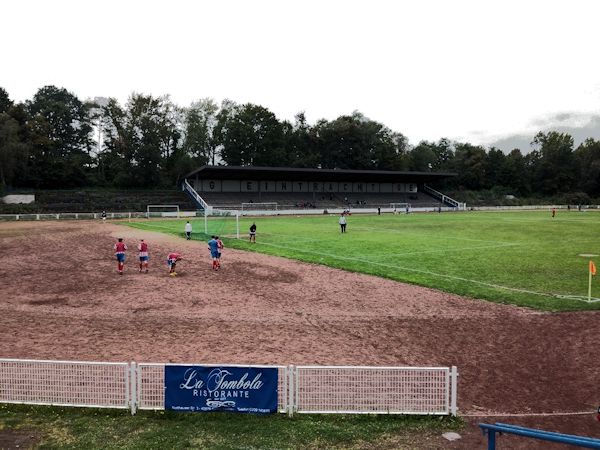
(435, 274)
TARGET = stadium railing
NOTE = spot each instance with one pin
(533, 433)
(301, 389)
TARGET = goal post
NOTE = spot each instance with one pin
(400, 207)
(223, 223)
(261, 206)
(162, 211)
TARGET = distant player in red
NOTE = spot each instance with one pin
(220, 247)
(553, 212)
(172, 261)
(120, 249)
(143, 249)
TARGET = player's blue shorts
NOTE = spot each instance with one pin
(143, 258)
(121, 257)
(214, 254)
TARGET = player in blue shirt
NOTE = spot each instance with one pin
(213, 246)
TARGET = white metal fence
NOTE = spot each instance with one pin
(372, 390)
(65, 383)
(301, 389)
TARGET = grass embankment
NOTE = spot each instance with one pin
(51, 427)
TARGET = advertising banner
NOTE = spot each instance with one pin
(224, 388)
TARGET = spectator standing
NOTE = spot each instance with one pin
(188, 230)
(342, 223)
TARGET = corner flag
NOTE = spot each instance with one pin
(592, 271)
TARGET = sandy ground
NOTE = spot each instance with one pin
(61, 298)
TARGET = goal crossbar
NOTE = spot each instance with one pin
(162, 210)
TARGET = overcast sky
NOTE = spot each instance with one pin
(475, 71)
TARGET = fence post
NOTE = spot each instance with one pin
(290, 393)
(491, 440)
(453, 393)
(133, 390)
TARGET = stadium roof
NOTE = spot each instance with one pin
(292, 174)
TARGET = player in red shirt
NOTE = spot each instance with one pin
(220, 248)
(171, 261)
(120, 249)
(143, 249)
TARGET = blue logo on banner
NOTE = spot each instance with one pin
(240, 389)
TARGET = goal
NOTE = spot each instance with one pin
(162, 211)
(400, 207)
(265, 206)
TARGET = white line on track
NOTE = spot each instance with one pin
(428, 272)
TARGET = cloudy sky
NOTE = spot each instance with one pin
(478, 71)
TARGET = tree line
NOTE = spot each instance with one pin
(56, 140)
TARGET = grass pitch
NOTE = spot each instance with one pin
(522, 258)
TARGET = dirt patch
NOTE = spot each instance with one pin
(61, 298)
(18, 439)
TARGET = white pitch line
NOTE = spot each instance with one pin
(428, 272)
(457, 249)
(392, 230)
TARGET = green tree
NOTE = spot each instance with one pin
(587, 157)
(5, 101)
(59, 130)
(13, 151)
(199, 124)
(300, 143)
(356, 142)
(495, 169)
(141, 142)
(517, 174)
(469, 164)
(555, 170)
(422, 157)
(250, 135)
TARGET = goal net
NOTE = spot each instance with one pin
(265, 206)
(162, 211)
(222, 223)
(400, 207)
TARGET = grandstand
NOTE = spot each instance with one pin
(230, 187)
